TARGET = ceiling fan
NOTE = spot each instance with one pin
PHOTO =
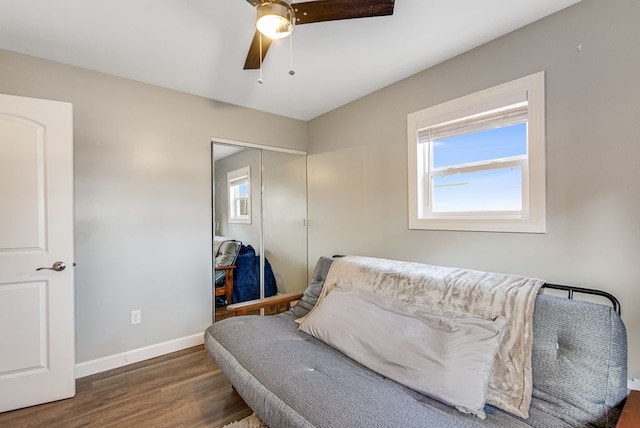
(275, 19)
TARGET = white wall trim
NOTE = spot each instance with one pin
(136, 355)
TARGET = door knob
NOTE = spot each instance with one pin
(57, 266)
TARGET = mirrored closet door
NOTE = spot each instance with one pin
(259, 221)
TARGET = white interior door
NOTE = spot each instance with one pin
(37, 356)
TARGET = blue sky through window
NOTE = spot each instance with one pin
(481, 146)
(492, 190)
(487, 190)
(243, 189)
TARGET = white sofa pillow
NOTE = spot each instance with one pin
(445, 356)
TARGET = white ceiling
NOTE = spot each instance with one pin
(199, 46)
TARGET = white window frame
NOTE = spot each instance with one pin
(232, 177)
(532, 218)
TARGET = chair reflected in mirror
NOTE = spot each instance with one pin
(225, 253)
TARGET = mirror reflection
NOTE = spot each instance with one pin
(260, 237)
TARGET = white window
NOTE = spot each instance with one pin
(240, 195)
(478, 162)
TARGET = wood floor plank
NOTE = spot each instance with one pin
(182, 389)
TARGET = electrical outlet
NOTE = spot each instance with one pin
(633, 383)
(136, 316)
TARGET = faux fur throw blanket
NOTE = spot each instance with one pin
(482, 294)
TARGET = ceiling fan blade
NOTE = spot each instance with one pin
(253, 57)
(333, 10)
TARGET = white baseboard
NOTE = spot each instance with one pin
(114, 361)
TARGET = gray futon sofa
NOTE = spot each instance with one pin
(291, 379)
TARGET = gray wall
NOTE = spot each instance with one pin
(357, 164)
(143, 198)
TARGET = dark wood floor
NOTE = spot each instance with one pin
(182, 389)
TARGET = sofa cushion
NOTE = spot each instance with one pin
(579, 361)
(310, 296)
(303, 382)
(446, 356)
(301, 378)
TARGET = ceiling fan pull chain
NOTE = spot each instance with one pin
(291, 72)
(260, 81)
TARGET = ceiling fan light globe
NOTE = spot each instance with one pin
(274, 27)
(275, 19)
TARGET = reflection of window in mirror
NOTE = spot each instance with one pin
(239, 182)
